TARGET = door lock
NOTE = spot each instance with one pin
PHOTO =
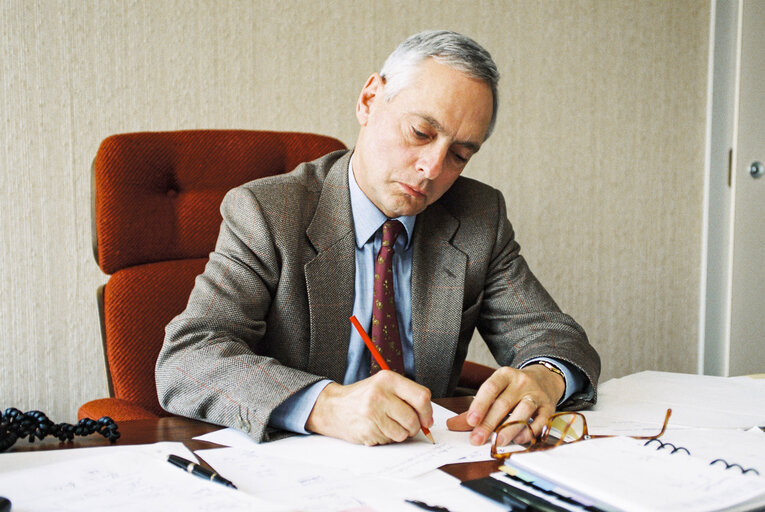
(756, 169)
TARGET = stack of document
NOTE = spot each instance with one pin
(621, 473)
(299, 473)
(323, 474)
(712, 457)
(114, 478)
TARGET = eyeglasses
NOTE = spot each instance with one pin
(561, 428)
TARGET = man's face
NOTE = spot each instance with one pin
(411, 149)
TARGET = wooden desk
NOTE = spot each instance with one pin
(176, 428)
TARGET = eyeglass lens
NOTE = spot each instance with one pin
(561, 428)
(513, 437)
(565, 428)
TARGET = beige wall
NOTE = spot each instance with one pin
(598, 148)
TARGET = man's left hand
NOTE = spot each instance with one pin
(532, 392)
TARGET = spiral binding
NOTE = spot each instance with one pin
(739, 466)
(670, 446)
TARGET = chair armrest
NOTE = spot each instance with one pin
(116, 408)
(472, 376)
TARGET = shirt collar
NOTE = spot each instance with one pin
(367, 218)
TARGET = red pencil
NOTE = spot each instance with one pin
(382, 363)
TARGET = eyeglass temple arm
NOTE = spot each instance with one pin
(663, 428)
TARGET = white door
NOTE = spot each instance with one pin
(732, 319)
(747, 304)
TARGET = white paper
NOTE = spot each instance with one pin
(230, 437)
(15, 461)
(120, 480)
(745, 448)
(400, 460)
(323, 474)
(305, 485)
(636, 404)
(621, 472)
(439, 489)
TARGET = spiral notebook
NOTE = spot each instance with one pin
(630, 475)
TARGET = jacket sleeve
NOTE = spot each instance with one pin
(520, 321)
(211, 366)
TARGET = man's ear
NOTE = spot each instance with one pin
(371, 91)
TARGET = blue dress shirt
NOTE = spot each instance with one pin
(293, 413)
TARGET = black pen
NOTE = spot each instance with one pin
(196, 469)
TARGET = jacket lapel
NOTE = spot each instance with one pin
(438, 279)
(330, 275)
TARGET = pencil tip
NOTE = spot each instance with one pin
(430, 437)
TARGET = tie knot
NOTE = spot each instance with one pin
(390, 231)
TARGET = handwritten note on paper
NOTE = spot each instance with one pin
(15, 461)
(400, 460)
(120, 481)
(310, 486)
(303, 485)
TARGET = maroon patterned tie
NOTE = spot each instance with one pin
(385, 335)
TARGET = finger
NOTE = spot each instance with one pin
(404, 420)
(374, 436)
(507, 402)
(397, 429)
(415, 395)
(534, 409)
(404, 404)
(523, 410)
(493, 402)
(459, 423)
(541, 417)
(486, 396)
(388, 418)
(510, 432)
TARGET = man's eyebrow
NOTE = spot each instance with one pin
(472, 146)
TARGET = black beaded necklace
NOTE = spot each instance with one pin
(15, 424)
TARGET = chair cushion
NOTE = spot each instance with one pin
(159, 193)
(138, 303)
(116, 409)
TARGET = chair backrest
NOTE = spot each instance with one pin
(156, 199)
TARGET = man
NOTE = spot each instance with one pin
(265, 343)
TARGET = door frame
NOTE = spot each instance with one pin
(714, 341)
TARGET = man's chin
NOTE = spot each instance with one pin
(409, 208)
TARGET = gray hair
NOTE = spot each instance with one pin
(448, 48)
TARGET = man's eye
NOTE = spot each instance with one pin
(417, 133)
(461, 159)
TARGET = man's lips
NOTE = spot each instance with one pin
(412, 191)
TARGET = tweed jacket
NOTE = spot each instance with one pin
(269, 314)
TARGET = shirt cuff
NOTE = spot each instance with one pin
(292, 414)
(573, 377)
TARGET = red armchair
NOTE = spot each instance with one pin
(156, 199)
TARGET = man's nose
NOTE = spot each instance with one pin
(431, 161)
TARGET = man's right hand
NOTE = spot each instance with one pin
(384, 408)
